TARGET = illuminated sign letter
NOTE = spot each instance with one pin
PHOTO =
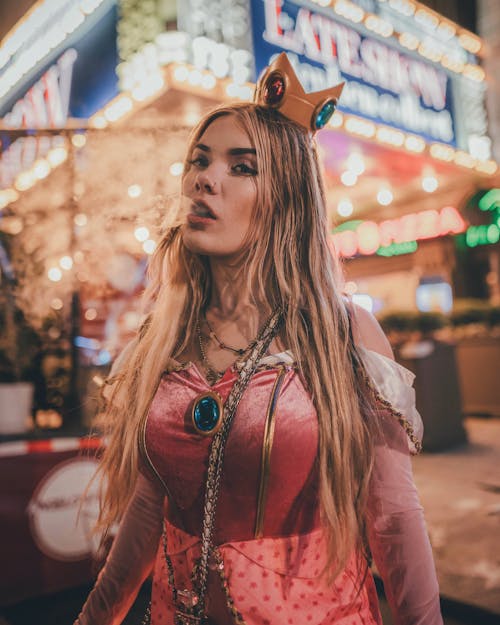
(450, 221)
(427, 225)
(368, 237)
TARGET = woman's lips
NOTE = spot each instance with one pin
(199, 220)
(200, 213)
(201, 208)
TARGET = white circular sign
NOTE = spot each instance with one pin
(60, 524)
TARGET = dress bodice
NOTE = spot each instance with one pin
(179, 455)
(274, 578)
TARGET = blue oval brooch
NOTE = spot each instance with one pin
(207, 413)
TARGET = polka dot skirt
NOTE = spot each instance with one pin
(272, 580)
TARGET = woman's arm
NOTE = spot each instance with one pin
(396, 528)
(397, 533)
(130, 560)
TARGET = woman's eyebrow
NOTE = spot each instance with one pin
(239, 151)
(231, 151)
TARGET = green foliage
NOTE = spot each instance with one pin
(430, 321)
(19, 347)
(399, 321)
(412, 321)
(399, 325)
(494, 316)
(471, 311)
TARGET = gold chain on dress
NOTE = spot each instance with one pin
(190, 604)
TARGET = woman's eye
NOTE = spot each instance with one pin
(198, 161)
(243, 168)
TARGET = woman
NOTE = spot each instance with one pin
(262, 504)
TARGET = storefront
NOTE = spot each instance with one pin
(403, 155)
(92, 151)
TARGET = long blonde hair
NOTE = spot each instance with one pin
(288, 262)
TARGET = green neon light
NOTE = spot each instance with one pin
(493, 233)
(482, 235)
(396, 249)
(348, 225)
(490, 200)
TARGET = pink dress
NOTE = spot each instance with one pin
(268, 531)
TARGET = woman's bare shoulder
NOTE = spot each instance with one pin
(367, 332)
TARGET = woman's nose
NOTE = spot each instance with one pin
(205, 182)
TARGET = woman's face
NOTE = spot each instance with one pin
(220, 189)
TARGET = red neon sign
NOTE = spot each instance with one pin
(368, 236)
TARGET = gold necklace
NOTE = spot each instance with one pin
(238, 351)
(212, 373)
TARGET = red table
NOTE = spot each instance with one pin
(45, 538)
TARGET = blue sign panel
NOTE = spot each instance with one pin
(383, 84)
(77, 80)
(90, 65)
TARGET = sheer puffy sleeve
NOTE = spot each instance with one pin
(131, 557)
(395, 522)
(392, 386)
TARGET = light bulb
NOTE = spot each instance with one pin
(356, 164)
(384, 197)
(176, 168)
(134, 190)
(429, 183)
(345, 208)
(348, 178)
(141, 233)
(54, 274)
(66, 262)
(149, 246)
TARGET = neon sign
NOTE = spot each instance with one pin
(490, 200)
(482, 235)
(43, 29)
(44, 105)
(367, 237)
(382, 83)
(397, 249)
(486, 234)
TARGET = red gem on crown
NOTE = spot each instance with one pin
(274, 89)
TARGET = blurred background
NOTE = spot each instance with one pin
(97, 99)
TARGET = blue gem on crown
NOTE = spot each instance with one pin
(324, 114)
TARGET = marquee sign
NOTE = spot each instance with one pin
(368, 237)
(94, 69)
(383, 84)
(76, 83)
(45, 105)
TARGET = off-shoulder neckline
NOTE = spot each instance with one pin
(272, 361)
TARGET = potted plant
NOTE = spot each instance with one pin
(470, 318)
(19, 356)
(476, 328)
(417, 342)
(398, 326)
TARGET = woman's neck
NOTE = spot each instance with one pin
(231, 297)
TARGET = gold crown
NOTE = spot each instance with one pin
(279, 88)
